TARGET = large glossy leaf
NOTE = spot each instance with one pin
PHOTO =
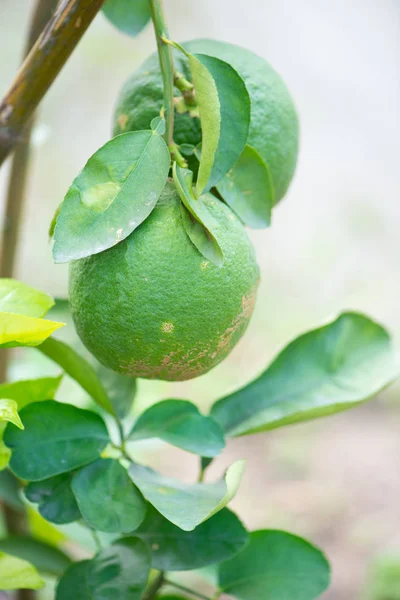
(31, 390)
(19, 330)
(9, 412)
(117, 189)
(45, 558)
(277, 565)
(187, 505)
(9, 490)
(173, 549)
(121, 390)
(107, 498)
(247, 188)
(180, 423)
(79, 369)
(129, 16)
(56, 502)
(57, 438)
(20, 299)
(18, 574)
(320, 373)
(199, 223)
(119, 571)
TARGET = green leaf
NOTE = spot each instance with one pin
(187, 505)
(18, 574)
(159, 125)
(119, 571)
(224, 106)
(129, 16)
(121, 390)
(19, 330)
(199, 223)
(217, 539)
(31, 390)
(9, 412)
(79, 369)
(116, 191)
(9, 490)
(247, 188)
(180, 423)
(277, 565)
(55, 498)
(45, 558)
(57, 438)
(320, 373)
(107, 498)
(20, 299)
(5, 453)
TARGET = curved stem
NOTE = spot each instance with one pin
(183, 588)
(154, 587)
(166, 65)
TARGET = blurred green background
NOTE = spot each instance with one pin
(334, 245)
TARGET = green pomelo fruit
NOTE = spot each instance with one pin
(274, 129)
(152, 306)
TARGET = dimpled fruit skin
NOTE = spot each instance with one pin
(274, 128)
(152, 306)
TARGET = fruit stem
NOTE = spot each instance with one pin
(166, 65)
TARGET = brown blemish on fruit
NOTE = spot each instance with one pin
(122, 121)
(167, 327)
(204, 264)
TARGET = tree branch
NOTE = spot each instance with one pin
(41, 67)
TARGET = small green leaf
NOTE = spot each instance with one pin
(158, 125)
(116, 191)
(187, 505)
(121, 390)
(55, 498)
(18, 574)
(19, 330)
(20, 299)
(119, 571)
(217, 539)
(199, 224)
(9, 412)
(79, 369)
(180, 423)
(247, 188)
(31, 390)
(107, 498)
(277, 565)
(9, 491)
(320, 373)
(45, 558)
(57, 438)
(129, 16)
(224, 106)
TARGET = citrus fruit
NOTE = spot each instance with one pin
(274, 129)
(152, 306)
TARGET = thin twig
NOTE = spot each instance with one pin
(154, 587)
(41, 67)
(183, 588)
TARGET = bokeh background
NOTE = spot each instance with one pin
(334, 245)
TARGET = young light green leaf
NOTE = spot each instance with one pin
(277, 565)
(20, 299)
(57, 438)
(31, 390)
(55, 499)
(158, 125)
(79, 369)
(187, 505)
(18, 574)
(320, 373)
(129, 16)
(9, 412)
(247, 188)
(107, 498)
(119, 571)
(116, 191)
(47, 559)
(224, 106)
(217, 539)
(180, 423)
(19, 330)
(199, 224)
(121, 390)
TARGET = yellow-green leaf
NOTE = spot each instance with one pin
(20, 299)
(19, 330)
(9, 412)
(16, 573)
(30, 390)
